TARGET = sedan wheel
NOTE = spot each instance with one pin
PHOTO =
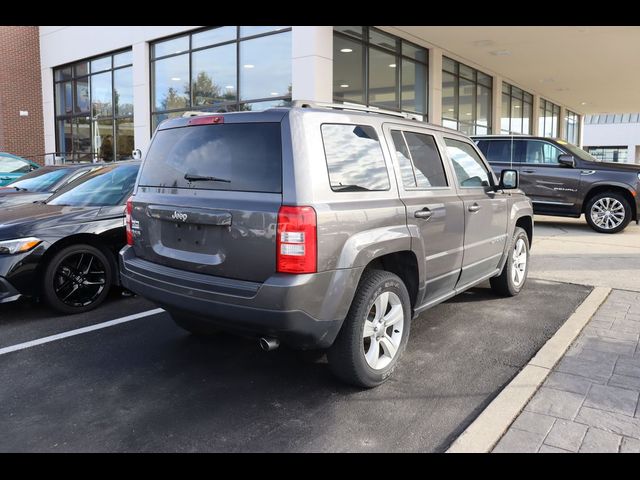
(77, 279)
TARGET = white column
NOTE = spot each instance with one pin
(48, 114)
(535, 130)
(581, 131)
(496, 105)
(435, 86)
(312, 63)
(141, 96)
(562, 128)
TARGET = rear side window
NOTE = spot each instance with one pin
(496, 151)
(243, 157)
(354, 158)
(424, 160)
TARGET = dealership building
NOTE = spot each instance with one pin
(97, 92)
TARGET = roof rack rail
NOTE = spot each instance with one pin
(347, 106)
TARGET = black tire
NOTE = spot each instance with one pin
(193, 325)
(504, 283)
(347, 354)
(603, 196)
(58, 281)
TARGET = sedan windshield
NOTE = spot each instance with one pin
(104, 187)
(41, 180)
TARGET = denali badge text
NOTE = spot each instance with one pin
(179, 216)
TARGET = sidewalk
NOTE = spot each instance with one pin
(589, 403)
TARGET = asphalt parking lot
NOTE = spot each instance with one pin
(146, 385)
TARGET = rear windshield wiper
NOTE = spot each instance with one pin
(203, 178)
(349, 188)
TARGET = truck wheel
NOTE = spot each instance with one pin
(608, 212)
(375, 331)
(515, 270)
(193, 325)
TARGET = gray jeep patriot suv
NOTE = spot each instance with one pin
(564, 180)
(319, 226)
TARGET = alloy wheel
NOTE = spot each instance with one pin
(607, 213)
(382, 331)
(519, 262)
(79, 279)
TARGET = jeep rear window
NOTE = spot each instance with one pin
(354, 158)
(238, 156)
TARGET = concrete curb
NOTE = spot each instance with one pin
(486, 430)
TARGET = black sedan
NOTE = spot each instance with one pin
(64, 250)
(40, 184)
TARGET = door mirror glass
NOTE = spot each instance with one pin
(509, 179)
(136, 154)
(567, 161)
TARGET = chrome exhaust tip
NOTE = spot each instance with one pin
(268, 344)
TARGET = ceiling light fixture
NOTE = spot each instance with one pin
(344, 85)
(274, 94)
(248, 65)
(392, 65)
(500, 53)
(583, 103)
(229, 87)
(346, 50)
(176, 79)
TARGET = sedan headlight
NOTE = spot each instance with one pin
(19, 245)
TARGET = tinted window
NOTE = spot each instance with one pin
(426, 160)
(13, 165)
(534, 151)
(354, 158)
(104, 187)
(244, 156)
(468, 166)
(496, 150)
(41, 180)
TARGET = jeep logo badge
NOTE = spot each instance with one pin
(179, 216)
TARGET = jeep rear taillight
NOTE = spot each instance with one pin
(296, 240)
(128, 212)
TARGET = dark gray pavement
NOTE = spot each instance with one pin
(148, 386)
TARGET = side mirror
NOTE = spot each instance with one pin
(137, 154)
(567, 161)
(509, 180)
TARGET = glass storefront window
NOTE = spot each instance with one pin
(124, 143)
(517, 110)
(91, 97)
(171, 82)
(548, 120)
(265, 67)
(214, 75)
(375, 68)
(466, 98)
(572, 127)
(205, 76)
(383, 87)
(348, 69)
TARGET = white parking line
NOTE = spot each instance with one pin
(79, 331)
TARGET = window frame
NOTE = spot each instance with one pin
(547, 106)
(237, 104)
(523, 100)
(457, 76)
(382, 154)
(392, 147)
(72, 117)
(492, 179)
(366, 44)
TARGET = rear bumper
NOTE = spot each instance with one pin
(304, 311)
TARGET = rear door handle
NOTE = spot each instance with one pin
(424, 214)
(474, 208)
(528, 171)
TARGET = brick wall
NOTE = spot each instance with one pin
(20, 89)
